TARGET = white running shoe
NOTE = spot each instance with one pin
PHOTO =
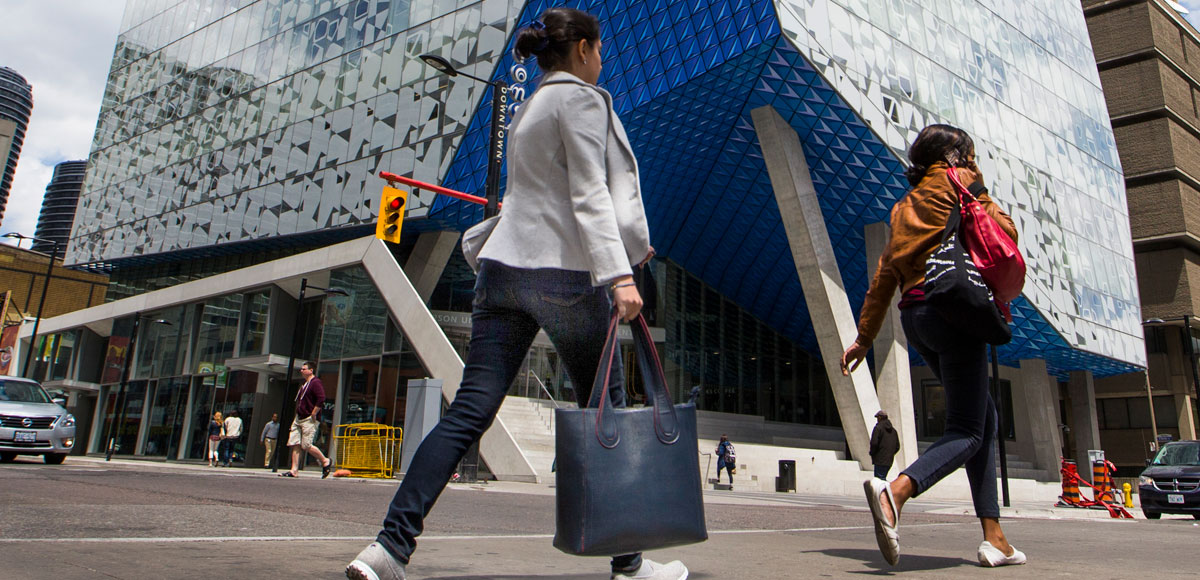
(375, 563)
(652, 570)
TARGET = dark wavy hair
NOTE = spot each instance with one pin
(944, 143)
(551, 37)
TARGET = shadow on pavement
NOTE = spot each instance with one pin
(908, 563)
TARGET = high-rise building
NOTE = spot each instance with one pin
(236, 158)
(16, 104)
(58, 206)
(1143, 51)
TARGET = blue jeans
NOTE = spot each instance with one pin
(729, 467)
(511, 304)
(227, 451)
(960, 363)
(881, 471)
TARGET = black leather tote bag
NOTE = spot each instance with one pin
(956, 290)
(628, 479)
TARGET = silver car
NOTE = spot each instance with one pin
(31, 423)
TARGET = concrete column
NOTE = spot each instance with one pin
(428, 260)
(422, 411)
(1187, 418)
(1086, 430)
(816, 265)
(893, 381)
(1035, 410)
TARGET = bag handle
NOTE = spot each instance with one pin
(666, 423)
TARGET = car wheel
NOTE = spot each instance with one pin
(54, 458)
(1152, 515)
(7, 457)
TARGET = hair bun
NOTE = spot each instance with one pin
(531, 40)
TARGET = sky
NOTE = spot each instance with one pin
(64, 49)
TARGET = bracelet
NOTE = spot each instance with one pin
(625, 285)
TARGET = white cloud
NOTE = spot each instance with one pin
(64, 49)
(1193, 7)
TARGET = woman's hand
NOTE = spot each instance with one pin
(649, 256)
(626, 298)
(853, 356)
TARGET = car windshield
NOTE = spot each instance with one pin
(1179, 454)
(22, 392)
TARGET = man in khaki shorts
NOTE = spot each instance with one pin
(309, 401)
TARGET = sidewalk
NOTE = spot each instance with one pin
(850, 501)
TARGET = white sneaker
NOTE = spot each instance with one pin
(375, 563)
(652, 570)
(991, 556)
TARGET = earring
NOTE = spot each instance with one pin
(585, 61)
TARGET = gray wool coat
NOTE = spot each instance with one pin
(573, 199)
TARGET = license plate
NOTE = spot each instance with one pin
(1174, 498)
(31, 437)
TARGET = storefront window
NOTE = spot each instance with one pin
(202, 402)
(354, 325)
(255, 324)
(64, 352)
(129, 418)
(160, 345)
(168, 406)
(216, 337)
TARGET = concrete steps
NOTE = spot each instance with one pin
(531, 423)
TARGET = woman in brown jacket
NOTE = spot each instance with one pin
(958, 360)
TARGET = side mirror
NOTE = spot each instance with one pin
(60, 401)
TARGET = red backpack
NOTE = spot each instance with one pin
(995, 254)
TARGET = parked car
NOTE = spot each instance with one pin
(1171, 482)
(31, 423)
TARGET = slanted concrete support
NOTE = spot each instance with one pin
(1086, 430)
(428, 261)
(816, 264)
(1035, 411)
(893, 381)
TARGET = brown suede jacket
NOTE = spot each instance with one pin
(918, 220)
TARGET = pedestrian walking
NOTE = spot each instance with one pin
(270, 435)
(726, 459)
(885, 443)
(957, 359)
(216, 432)
(559, 257)
(309, 402)
(233, 432)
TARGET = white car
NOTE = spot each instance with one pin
(31, 423)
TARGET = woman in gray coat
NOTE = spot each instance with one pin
(560, 258)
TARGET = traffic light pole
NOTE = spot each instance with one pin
(496, 147)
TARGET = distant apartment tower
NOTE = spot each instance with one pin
(16, 103)
(58, 207)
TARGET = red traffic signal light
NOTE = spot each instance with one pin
(391, 214)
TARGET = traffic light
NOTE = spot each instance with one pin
(391, 214)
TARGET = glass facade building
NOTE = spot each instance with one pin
(237, 132)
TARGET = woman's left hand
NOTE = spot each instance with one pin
(853, 357)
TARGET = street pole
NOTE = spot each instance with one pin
(41, 302)
(120, 405)
(1000, 430)
(287, 382)
(496, 148)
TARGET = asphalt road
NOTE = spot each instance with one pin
(91, 519)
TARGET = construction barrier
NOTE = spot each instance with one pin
(368, 449)
(1071, 483)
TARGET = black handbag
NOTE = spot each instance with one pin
(628, 480)
(956, 290)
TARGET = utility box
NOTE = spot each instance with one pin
(421, 415)
(786, 481)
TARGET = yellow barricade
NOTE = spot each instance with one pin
(368, 449)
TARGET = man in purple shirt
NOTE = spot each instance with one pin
(309, 402)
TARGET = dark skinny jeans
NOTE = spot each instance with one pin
(511, 304)
(959, 362)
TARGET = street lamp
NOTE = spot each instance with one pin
(496, 142)
(45, 287)
(119, 411)
(287, 382)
